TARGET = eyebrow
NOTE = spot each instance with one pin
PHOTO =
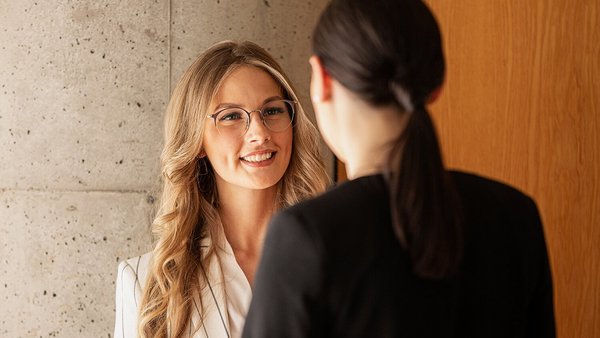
(234, 105)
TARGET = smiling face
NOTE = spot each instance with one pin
(259, 158)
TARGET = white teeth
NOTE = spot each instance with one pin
(258, 158)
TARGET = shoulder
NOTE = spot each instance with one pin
(346, 200)
(136, 267)
(345, 209)
(132, 274)
(131, 277)
(481, 190)
(508, 214)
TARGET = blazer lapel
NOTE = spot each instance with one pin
(210, 318)
(237, 289)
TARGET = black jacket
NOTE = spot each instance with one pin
(332, 267)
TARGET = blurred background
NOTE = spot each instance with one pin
(84, 85)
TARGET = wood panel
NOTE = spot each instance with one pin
(522, 104)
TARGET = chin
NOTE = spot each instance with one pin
(264, 178)
(264, 184)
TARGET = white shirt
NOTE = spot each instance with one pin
(225, 299)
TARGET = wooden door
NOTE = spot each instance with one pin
(522, 104)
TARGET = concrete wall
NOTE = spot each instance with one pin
(83, 88)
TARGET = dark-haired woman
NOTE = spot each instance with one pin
(405, 248)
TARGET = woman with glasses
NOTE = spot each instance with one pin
(405, 248)
(238, 147)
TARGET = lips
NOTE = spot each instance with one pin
(258, 157)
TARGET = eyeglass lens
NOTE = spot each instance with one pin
(276, 115)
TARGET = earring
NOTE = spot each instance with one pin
(201, 166)
(205, 181)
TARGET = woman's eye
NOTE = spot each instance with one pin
(231, 116)
(272, 111)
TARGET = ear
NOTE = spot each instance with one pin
(433, 96)
(202, 154)
(320, 83)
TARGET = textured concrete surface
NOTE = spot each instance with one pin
(58, 259)
(82, 90)
(282, 27)
(83, 87)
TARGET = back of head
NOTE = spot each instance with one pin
(389, 53)
(372, 46)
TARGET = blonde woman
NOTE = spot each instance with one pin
(238, 147)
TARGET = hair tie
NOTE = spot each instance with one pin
(402, 97)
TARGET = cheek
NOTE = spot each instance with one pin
(220, 150)
(209, 140)
(285, 143)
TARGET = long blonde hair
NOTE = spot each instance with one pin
(189, 204)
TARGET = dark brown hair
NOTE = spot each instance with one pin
(389, 52)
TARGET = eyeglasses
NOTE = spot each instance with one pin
(276, 115)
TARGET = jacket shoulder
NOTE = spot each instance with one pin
(353, 195)
(131, 277)
(135, 270)
(474, 187)
(500, 213)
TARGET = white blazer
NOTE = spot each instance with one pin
(225, 300)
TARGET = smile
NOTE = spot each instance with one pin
(258, 157)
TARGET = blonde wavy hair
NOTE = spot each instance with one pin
(189, 205)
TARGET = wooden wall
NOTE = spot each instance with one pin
(522, 104)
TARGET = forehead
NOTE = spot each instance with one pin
(247, 86)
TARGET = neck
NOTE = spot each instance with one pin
(245, 214)
(368, 136)
(356, 170)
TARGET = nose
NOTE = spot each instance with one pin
(257, 132)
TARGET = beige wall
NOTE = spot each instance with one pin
(83, 87)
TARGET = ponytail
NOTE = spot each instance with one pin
(390, 52)
(425, 209)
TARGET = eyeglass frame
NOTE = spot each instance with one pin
(292, 103)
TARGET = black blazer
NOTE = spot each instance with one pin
(332, 267)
